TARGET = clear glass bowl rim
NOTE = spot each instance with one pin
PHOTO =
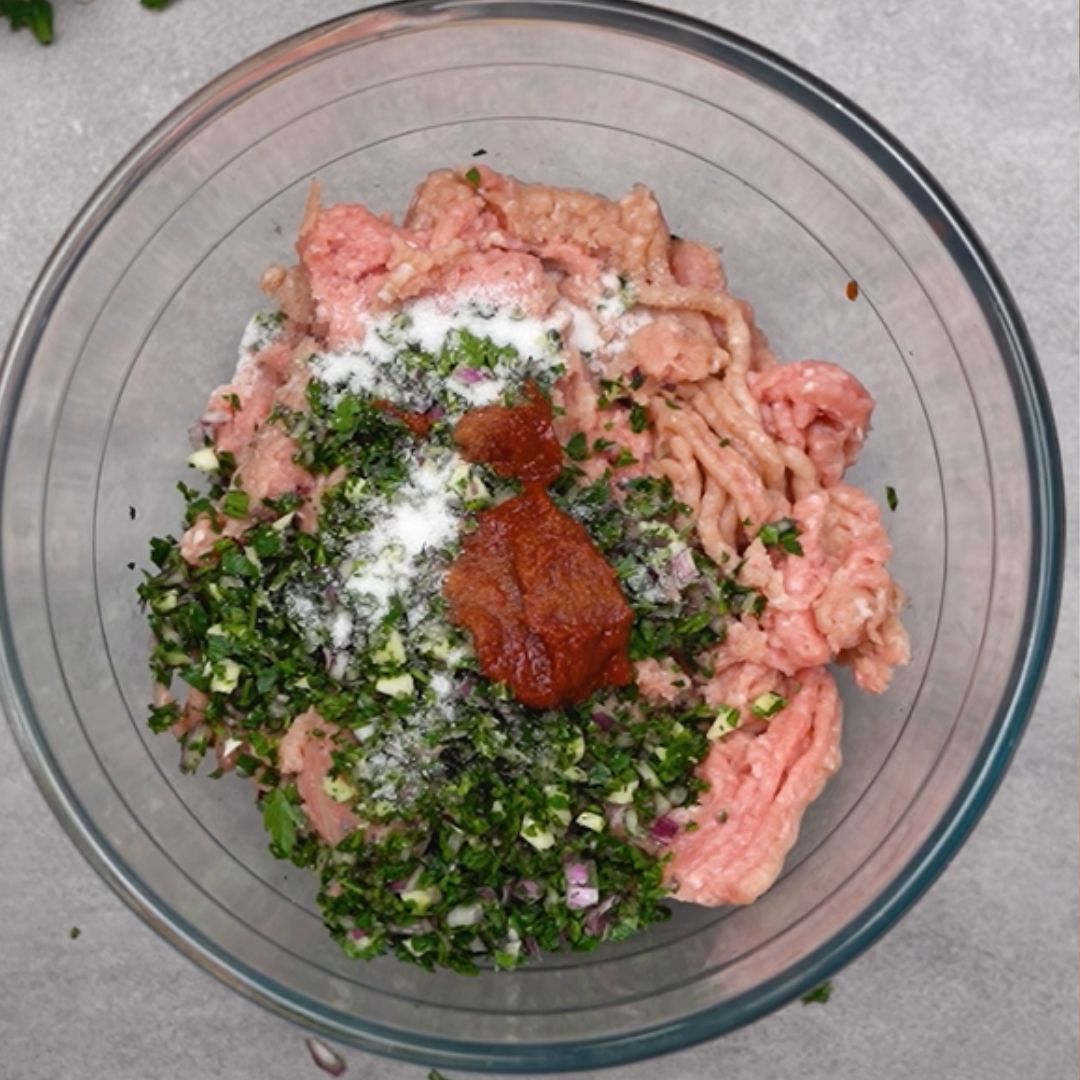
(1046, 491)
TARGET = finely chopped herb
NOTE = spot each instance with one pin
(493, 831)
(783, 533)
(891, 498)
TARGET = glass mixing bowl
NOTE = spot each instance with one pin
(137, 317)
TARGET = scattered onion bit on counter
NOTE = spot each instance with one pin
(327, 1060)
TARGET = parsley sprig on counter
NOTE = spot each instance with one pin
(37, 16)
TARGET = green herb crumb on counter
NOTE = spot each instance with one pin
(819, 995)
(74, 932)
(37, 16)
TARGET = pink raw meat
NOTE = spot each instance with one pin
(670, 351)
(255, 384)
(819, 408)
(305, 752)
(835, 599)
(695, 264)
(760, 785)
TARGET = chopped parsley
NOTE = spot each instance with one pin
(283, 818)
(891, 498)
(783, 533)
(235, 504)
(768, 705)
(577, 448)
(473, 176)
(74, 932)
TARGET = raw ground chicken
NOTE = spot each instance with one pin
(744, 439)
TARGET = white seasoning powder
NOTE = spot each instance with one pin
(420, 519)
(341, 628)
(372, 368)
(584, 329)
(483, 315)
(440, 685)
(304, 614)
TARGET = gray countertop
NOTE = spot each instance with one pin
(980, 980)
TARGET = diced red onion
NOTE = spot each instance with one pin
(404, 884)
(664, 830)
(577, 873)
(528, 890)
(436, 412)
(603, 720)
(486, 893)
(596, 921)
(532, 947)
(470, 375)
(581, 896)
(682, 567)
(324, 1057)
(360, 937)
(579, 893)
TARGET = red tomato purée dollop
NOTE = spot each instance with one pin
(544, 609)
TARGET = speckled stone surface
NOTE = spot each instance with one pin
(979, 982)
